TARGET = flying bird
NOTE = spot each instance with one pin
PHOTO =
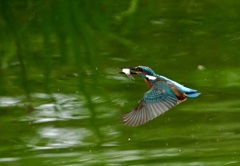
(163, 95)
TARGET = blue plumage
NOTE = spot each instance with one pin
(189, 92)
(163, 95)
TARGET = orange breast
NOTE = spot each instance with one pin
(180, 95)
(148, 83)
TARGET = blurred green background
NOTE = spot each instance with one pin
(61, 96)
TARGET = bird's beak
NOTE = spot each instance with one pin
(128, 70)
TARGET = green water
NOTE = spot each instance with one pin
(61, 96)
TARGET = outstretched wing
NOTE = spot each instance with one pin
(159, 99)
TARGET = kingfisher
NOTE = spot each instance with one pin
(163, 95)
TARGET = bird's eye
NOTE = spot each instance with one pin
(138, 69)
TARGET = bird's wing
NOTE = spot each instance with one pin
(159, 99)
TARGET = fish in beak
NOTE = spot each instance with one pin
(128, 71)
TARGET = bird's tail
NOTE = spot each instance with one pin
(193, 94)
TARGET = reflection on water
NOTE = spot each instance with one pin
(65, 107)
(9, 101)
(194, 43)
(60, 132)
(61, 137)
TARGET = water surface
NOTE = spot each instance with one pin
(72, 116)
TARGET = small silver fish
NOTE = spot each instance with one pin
(128, 73)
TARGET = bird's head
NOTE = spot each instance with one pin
(142, 71)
